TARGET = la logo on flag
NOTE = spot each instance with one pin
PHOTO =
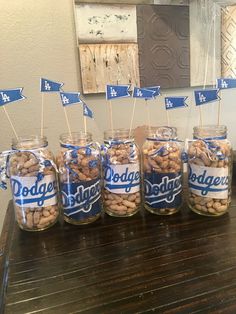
(10, 95)
(48, 86)
(205, 96)
(175, 102)
(70, 98)
(226, 83)
(117, 91)
(87, 111)
(143, 93)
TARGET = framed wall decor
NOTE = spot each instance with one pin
(179, 44)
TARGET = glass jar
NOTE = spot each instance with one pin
(162, 171)
(80, 178)
(209, 171)
(33, 183)
(121, 168)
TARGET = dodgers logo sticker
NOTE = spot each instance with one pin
(122, 178)
(29, 192)
(163, 190)
(208, 181)
(81, 200)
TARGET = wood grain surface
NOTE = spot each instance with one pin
(183, 263)
(103, 63)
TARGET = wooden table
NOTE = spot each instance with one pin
(183, 263)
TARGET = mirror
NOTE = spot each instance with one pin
(171, 43)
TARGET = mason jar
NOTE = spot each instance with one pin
(33, 183)
(209, 170)
(162, 171)
(121, 174)
(79, 166)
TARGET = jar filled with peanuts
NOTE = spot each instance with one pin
(162, 171)
(209, 170)
(80, 178)
(121, 169)
(33, 181)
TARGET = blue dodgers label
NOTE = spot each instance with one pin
(121, 179)
(209, 182)
(81, 200)
(29, 192)
(163, 190)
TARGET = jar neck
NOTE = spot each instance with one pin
(118, 135)
(214, 132)
(76, 139)
(29, 142)
(162, 133)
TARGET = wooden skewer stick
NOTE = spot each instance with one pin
(42, 115)
(85, 124)
(67, 122)
(9, 119)
(111, 117)
(132, 117)
(148, 115)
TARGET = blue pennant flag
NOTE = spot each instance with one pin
(225, 83)
(10, 95)
(204, 96)
(175, 102)
(87, 111)
(70, 98)
(143, 93)
(47, 86)
(117, 91)
(156, 89)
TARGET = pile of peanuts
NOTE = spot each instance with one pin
(84, 167)
(199, 154)
(162, 157)
(79, 165)
(37, 218)
(122, 204)
(25, 164)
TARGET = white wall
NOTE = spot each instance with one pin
(38, 40)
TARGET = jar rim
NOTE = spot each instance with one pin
(162, 132)
(75, 137)
(210, 131)
(119, 134)
(29, 142)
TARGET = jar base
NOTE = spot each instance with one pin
(82, 222)
(38, 229)
(207, 214)
(162, 211)
(112, 214)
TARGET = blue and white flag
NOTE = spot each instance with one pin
(47, 86)
(204, 96)
(117, 91)
(70, 98)
(225, 83)
(156, 89)
(143, 93)
(10, 95)
(175, 102)
(87, 111)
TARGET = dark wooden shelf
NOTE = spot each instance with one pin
(183, 263)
